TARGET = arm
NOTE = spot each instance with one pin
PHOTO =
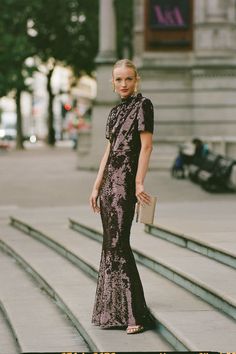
(95, 191)
(143, 162)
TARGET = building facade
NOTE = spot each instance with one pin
(191, 78)
(186, 54)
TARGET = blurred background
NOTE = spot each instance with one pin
(47, 66)
(56, 58)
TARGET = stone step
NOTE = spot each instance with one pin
(213, 282)
(207, 228)
(177, 311)
(8, 343)
(73, 290)
(39, 325)
(192, 243)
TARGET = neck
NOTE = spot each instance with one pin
(127, 97)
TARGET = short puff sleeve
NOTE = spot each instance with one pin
(146, 116)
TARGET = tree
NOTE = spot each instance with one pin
(15, 48)
(64, 32)
(54, 32)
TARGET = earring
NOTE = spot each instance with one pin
(113, 88)
(136, 88)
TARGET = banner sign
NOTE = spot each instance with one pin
(169, 14)
(168, 25)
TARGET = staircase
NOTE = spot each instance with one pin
(50, 258)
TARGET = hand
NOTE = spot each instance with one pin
(93, 201)
(141, 195)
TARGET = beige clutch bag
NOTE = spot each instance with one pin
(145, 213)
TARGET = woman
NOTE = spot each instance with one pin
(119, 184)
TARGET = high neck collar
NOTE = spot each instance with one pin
(130, 98)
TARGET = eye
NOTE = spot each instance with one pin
(118, 79)
(130, 78)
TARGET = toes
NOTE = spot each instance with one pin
(134, 329)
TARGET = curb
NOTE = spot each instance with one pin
(192, 244)
(9, 324)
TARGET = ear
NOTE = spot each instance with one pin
(113, 84)
(137, 84)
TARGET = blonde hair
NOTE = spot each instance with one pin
(127, 64)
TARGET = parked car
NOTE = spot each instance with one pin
(8, 133)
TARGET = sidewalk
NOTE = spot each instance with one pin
(43, 176)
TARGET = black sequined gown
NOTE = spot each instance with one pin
(119, 297)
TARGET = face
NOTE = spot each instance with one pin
(124, 81)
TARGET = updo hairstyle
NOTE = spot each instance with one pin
(128, 64)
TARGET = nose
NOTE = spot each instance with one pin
(123, 83)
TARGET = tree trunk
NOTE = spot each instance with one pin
(19, 133)
(51, 131)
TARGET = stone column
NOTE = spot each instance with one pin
(95, 141)
(138, 37)
(107, 32)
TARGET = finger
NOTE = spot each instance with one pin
(91, 203)
(94, 204)
(146, 195)
(145, 198)
(140, 200)
(97, 209)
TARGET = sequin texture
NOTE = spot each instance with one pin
(119, 299)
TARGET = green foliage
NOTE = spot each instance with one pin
(51, 32)
(15, 48)
(124, 23)
(63, 30)
(66, 30)
(15, 45)
(54, 32)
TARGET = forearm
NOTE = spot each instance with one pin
(143, 164)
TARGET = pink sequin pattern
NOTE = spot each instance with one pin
(119, 299)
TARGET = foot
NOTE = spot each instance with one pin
(134, 329)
